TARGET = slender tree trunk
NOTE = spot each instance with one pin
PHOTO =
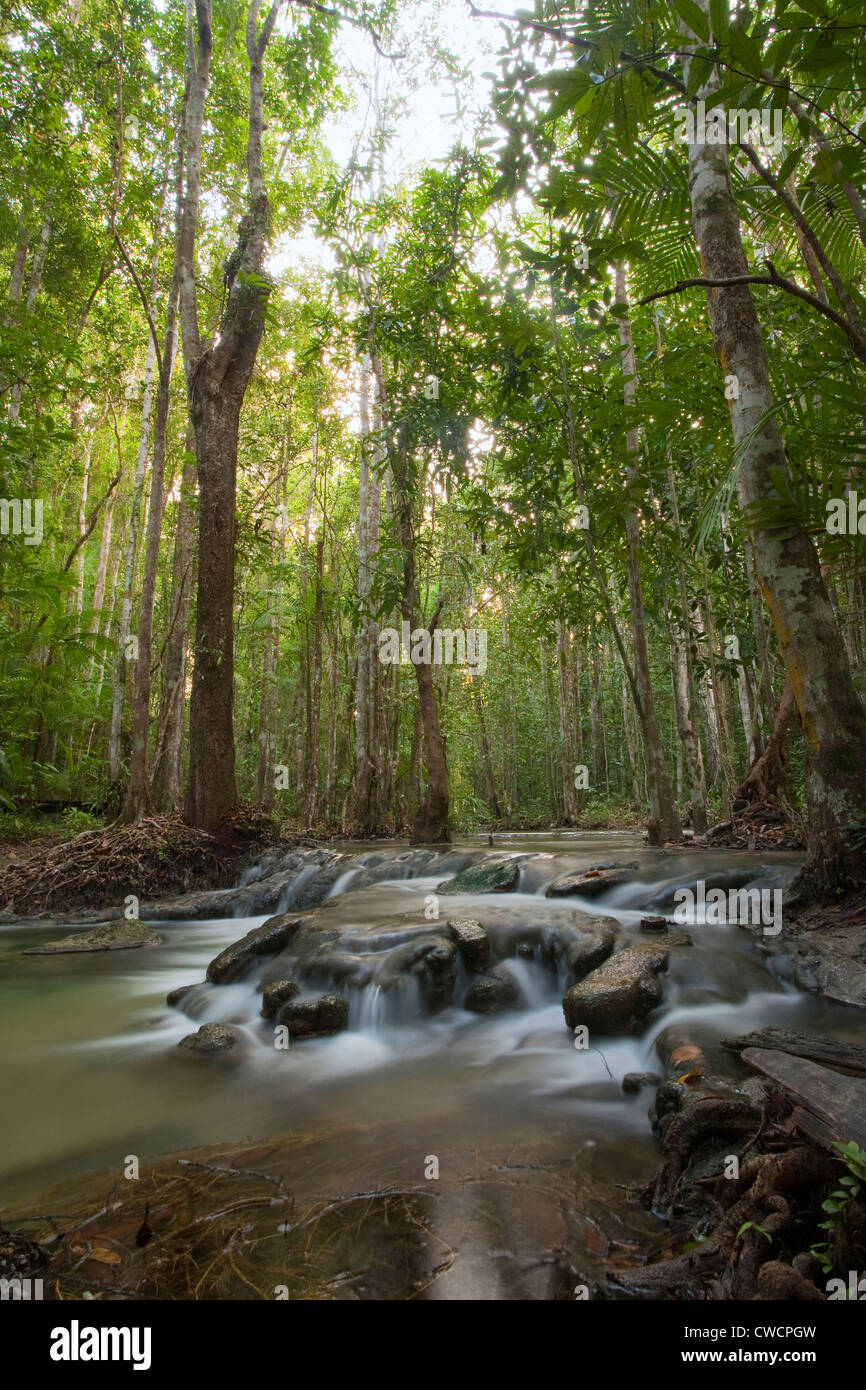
(567, 765)
(664, 817)
(167, 776)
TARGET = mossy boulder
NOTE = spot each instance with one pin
(122, 935)
(498, 876)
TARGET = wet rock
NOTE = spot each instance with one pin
(431, 961)
(277, 994)
(332, 968)
(472, 940)
(653, 924)
(664, 898)
(526, 950)
(272, 936)
(492, 993)
(174, 996)
(315, 1018)
(210, 1039)
(121, 935)
(590, 883)
(590, 950)
(496, 876)
(617, 997)
(635, 1081)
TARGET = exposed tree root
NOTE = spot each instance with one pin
(750, 1229)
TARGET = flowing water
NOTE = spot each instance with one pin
(91, 1072)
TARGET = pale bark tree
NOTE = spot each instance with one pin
(831, 712)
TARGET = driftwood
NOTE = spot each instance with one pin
(830, 1108)
(830, 1052)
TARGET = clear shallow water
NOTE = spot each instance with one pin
(91, 1072)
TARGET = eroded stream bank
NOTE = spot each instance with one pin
(534, 1139)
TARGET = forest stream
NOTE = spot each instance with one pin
(523, 1123)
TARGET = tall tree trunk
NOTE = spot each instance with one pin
(664, 817)
(831, 712)
(167, 777)
(567, 764)
(430, 825)
(316, 710)
(217, 380)
(552, 790)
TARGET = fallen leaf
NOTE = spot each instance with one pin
(101, 1253)
(684, 1054)
(688, 1076)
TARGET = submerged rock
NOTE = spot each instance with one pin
(211, 1038)
(272, 936)
(174, 996)
(472, 940)
(121, 935)
(617, 997)
(431, 961)
(277, 994)
(498, 877)
(315, 1018)
(492, 993)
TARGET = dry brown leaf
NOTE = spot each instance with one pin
(101, 1253)
(684, 1054)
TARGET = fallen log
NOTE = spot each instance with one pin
(830, 1052)
(831, 1108)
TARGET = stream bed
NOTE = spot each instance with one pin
(92, 1073)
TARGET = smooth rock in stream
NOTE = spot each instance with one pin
(590, 951)
(315, 1018)
(492, 994)
(432, 961)
(590, 883)
(635, 1081)
(617, 997)
(501, 876)
(272, 936)
(121, 935)
(277, 994)
(472, 940)
(210, 1039)
(174, 996)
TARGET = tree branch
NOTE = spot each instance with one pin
(131, 268)
(350, 19)
(775, 279)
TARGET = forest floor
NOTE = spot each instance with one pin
(154, 858)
